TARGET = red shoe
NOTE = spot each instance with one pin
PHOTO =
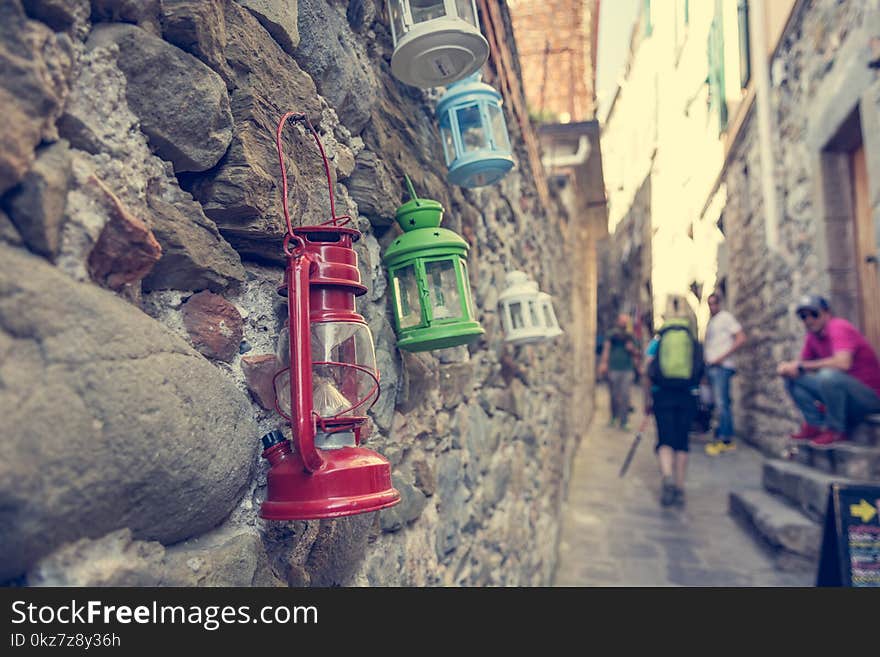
(807, 432)
(828, 437)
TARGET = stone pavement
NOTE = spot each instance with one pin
(615, 533)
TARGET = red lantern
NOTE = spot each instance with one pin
(330, 380)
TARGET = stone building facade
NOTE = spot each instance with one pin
(824, 102)
(557, 44)
(140, 238)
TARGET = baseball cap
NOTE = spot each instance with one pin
(812, 302)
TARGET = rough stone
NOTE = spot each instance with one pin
(116, 559)
(242, 194)
(36, 206)
(160, 80)
(8, 232)
(152, 436)
(455, 383)
(60, 15)
(423, 477)
(199, 28)
(259, 370)
(36, 65)
(143, 13)
(412, 503)
(452, 496)
(279, 19)
(194, 254)
(419, 380)
(374, 190)
(338, 549)
(337, 62)
(126, 249)
(214, 325)
(495, 483)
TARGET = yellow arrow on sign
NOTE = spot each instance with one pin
(862, 510)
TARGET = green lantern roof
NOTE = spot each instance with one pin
(417, 218)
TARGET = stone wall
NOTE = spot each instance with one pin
(140, 227)
(625, 267)
(820, 77)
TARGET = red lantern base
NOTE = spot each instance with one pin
(353, 480)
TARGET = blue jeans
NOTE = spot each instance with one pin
(719, 378)
(846, 399)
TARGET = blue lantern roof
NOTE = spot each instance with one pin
(469, 89)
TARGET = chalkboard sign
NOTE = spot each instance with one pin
(851, 542)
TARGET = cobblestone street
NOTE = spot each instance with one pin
(615, 533)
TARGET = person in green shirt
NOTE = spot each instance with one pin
(617, 363)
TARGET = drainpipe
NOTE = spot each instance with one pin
(760, 69)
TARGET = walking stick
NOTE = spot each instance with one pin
(634, 446)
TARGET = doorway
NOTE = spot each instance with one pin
(851, 237)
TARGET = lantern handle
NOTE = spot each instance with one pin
(412, 191)
(301, 117)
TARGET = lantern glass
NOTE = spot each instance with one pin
(398, 22)
(443, 289)
(339, 387)
(548, 317)
(406, 296)
(465, 9)
(499, 127)
(468, 297)
(427, 10)
(533, 314)
(342, 356)
(516, 316)
(448, 139)
(470, 126)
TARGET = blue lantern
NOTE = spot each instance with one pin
(474, 133)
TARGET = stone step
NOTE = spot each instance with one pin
(792, 538)
(804, 487)
(846, 459)
(868, 432)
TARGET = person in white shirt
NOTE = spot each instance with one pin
(724, 336)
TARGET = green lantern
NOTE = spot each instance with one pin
(433, 307)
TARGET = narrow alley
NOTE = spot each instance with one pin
(615, 533)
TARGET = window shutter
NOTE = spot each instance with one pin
(717, 100)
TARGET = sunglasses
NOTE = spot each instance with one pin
(807, 313)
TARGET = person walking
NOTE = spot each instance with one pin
(724, 337)
(617, 362)
(673, 369)
(836, 381)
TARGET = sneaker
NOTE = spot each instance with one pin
(624, 425)
(807, 432)
(678, 499)
(667, 497)
(612, 422)
(719, 447)
(714, 448)
(828, 437)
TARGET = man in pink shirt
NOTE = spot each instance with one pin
(837, 368)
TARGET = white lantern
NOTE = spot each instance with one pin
(436, 42)
(548, 314)
(521, 314)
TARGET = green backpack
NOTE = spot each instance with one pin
(679, 359)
